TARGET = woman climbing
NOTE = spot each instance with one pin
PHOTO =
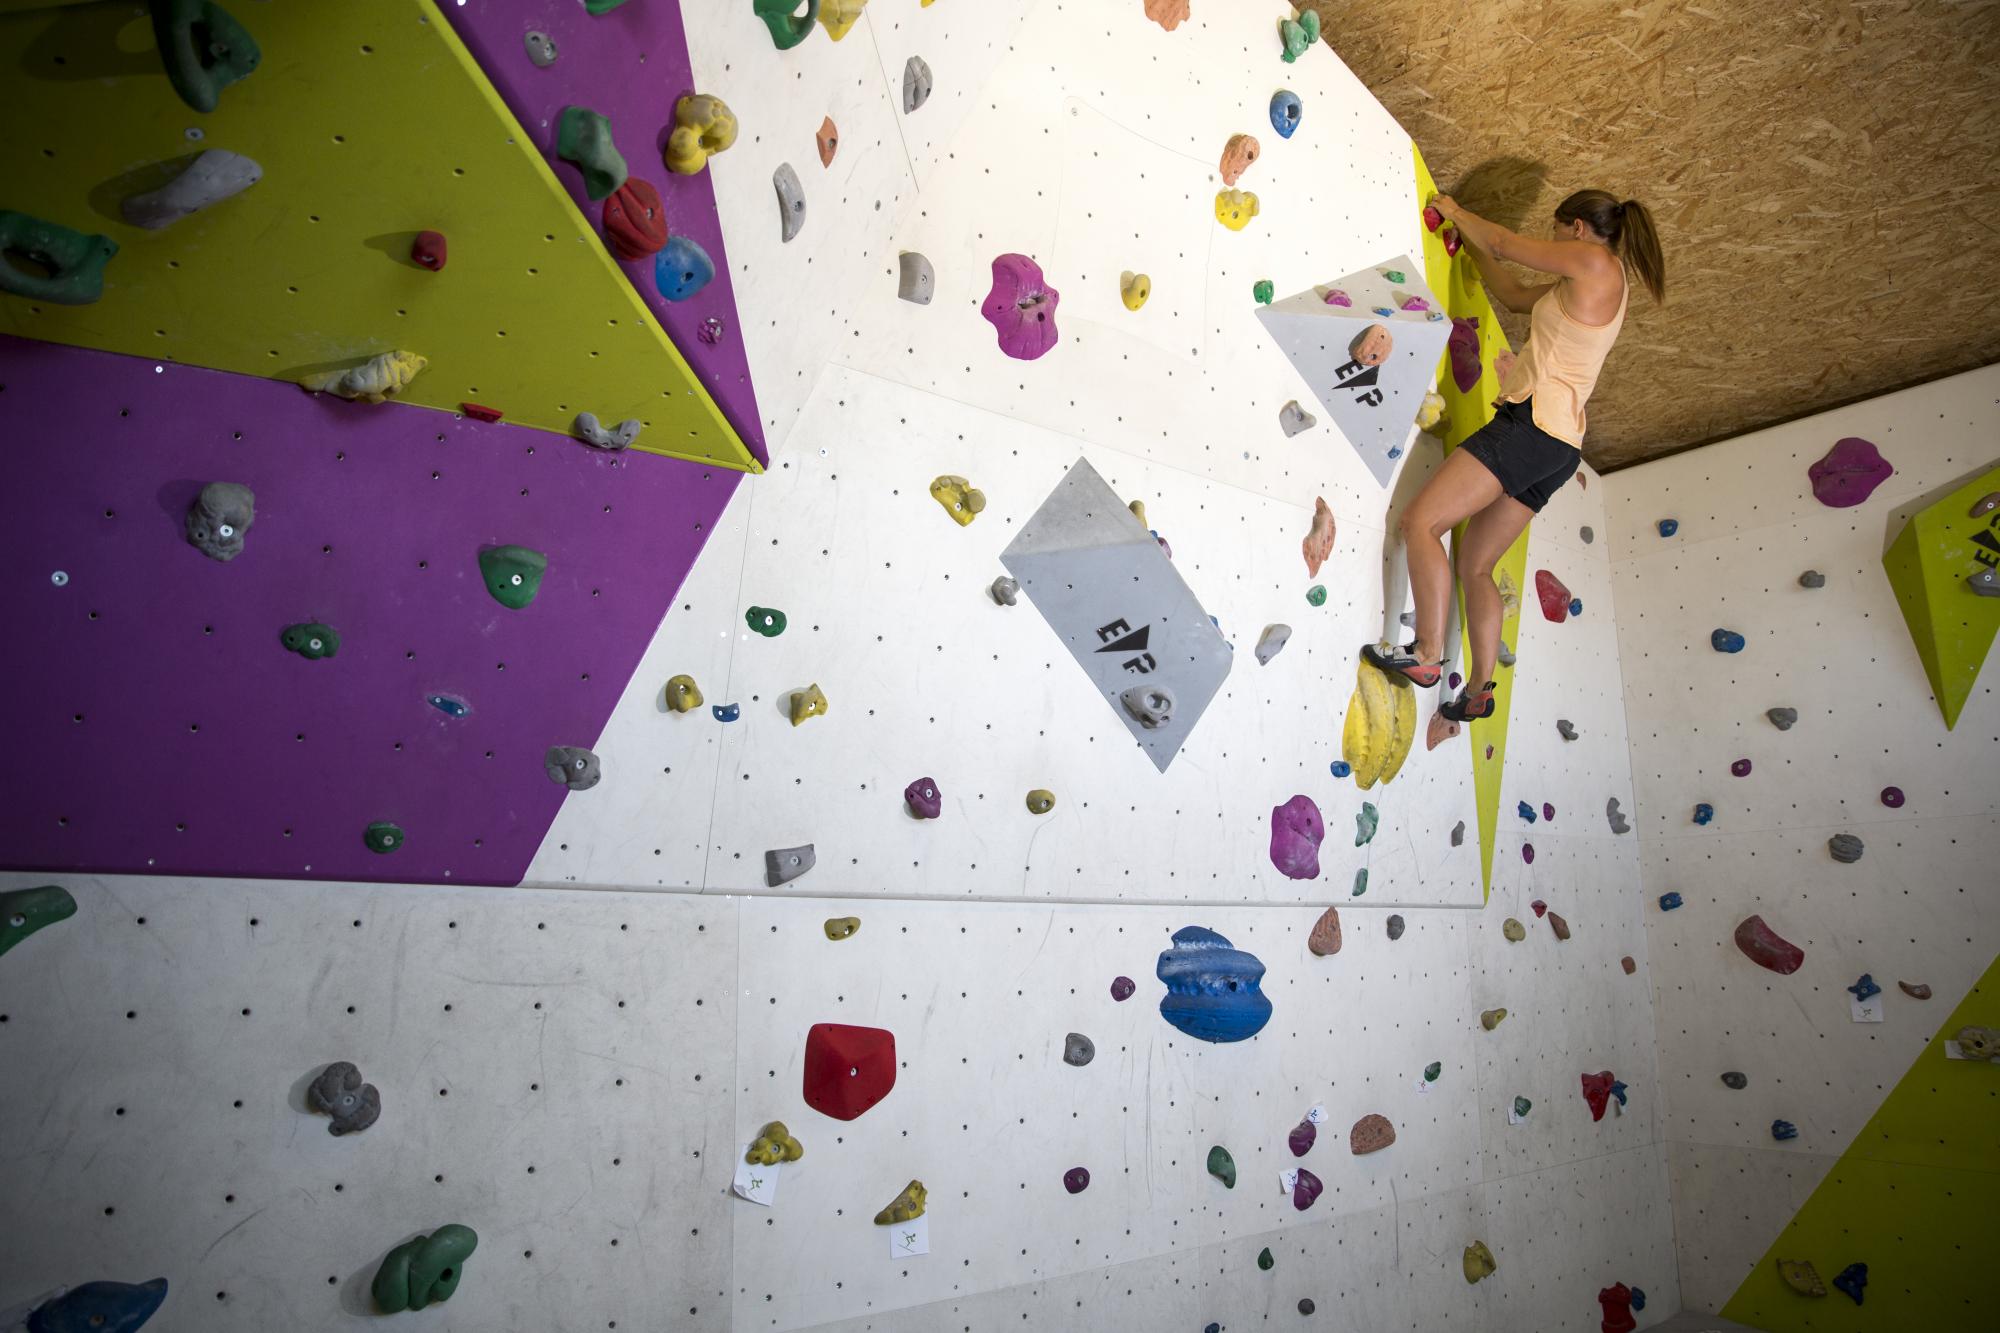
(1502, 475)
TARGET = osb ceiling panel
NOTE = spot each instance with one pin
(1825, 175)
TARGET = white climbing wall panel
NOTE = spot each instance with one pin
(1919, 905)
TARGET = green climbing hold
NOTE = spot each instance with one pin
(1264, 291)
(765, 621)
(1316, 595)
(1394, 274)
(596, 7)
(1521, 1105)
(25, 911)
(513, 574)
(1360, 882)
(311, 640)
(1265, 1261)
(424, 1269)
(583, 136)
(383, 837)
(1433, 1071)
(1298, 35)
(1222, 1166)
(787, 28)
(1365, 824)
(75, 262)
(205, 50)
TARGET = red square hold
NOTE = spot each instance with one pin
(848, 1069)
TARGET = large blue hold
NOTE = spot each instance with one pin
(1212, 987)
(1726, 641)
(100, 1307)
(1285, 112)
(682, 268)
(1526, 811)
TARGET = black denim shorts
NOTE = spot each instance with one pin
(1531, 464)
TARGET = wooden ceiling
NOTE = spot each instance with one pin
(1825, 175)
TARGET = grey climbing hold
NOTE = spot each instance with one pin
(1735, 1080)
(592, 432)
(917, 282)
(1458, 833)
(1812, 578)
(1365, 824)
(1986, 583)
(1152, 706)
(216, 175)
(1784, 719)
(1506, 653)
(791, 200)
(1005, 590)
(1587, 535)
(340, 1093)
(1568, 731)
(1395, 926)
(1408, 620)
(1272, 642)
(219, 518)
(541, 48)
(916, 84)
(571, 765)
(785, 864)
(1616, 816)
(1293, 419)
(1845, 847)
(1078, 1050)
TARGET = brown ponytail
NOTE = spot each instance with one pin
(1627, 227)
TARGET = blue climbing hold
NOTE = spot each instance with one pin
(1286, 112)
(1703, 813)
(1618, 1091)
(1726, 641)
(1638, 1298)
(1851, 1280)
(726, 712)
(99, 1307)
(1865, 988)
(1784, 1129)
(1525, 811)
(1669, 526)
(682, 268)
(1212, 987)
(1385, 312)
(1576, 606)
(1669, 901)
(450, 705)
(1340, 768)
(1395, 451)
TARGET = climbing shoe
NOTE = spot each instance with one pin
(1402, 665)
(1470, 705)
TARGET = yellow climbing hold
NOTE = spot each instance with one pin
(1431, 412)
(1235, 208)
(1381, 727)
(1801, 1276)
(1514, 930)
(1510, 594)
(1138, 508)
(773, 1144)
(837, 16)
(807, 703)
(703, 126)
(373, 381)
(905, 1207)
(1134, 288)
(1478, 1261)
(1491, 1018)
(840, 927)
(1041, 800)
(683, 695)
(959, 498)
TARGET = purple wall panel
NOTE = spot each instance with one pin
(188, 757)
(631, 65)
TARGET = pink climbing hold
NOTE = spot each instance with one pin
(1021, 307)
(1741, 768)
(1335, 296)
(1306, 1189)
(1597, 1091)
(1767, 948)
(1555, 597)
(1893, 797)
(1616, 1302)
(1464, 348)
(1296, 833)
(1849, 473)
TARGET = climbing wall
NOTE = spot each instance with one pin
(1917, 907)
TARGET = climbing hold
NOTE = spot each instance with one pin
(1286, 112)
(1360, 882)
(215, 175)
(1238, 156)
(1525, 811)
(782, 865)
(1021, 307)
(25, 911)
(1845, 848)
(1782, 1130)
(513, 574)
(479, 413)
(1272, 642)
(375, 380)
(1235, 208)
(1433, 1071)
(1262, 291)
(725, 712)
(1812, 578)
(1726, 641)
(1670, 902)
(837, 16)
(916, 84)
(382, 837)
(1627, 963)
(1541, 908)
(1740, 768)
(905, 1207)
(1395, 926)
(596, 7)
(1122, 988)
(1554, 596)
(774, 1144)
(541, 48)
(1703, 812)
(1463, 348)
(1318, 542)
(1004, 590)
(1303, 1136)
(1431, 412)
(1597, 1092)
(1848, 474)
(1298, 34)
(1076, 1180)
(1152, 706)
(1587, 535)
(583, 136)
(1305, 1189)
(1316, 595)
(428, 250)
(1478, 1261)
(1222, 1166)
(1265, 1261)
(791, 201)
(1458, 832)
(709, 331)
(1134, 289)
(1864, 989)
(635, 224)
(340, 1093)
(959, 499)
(1365, 823)
(220, 518)
(1978, 1043)
(1212, 987)
(1306, 1306)
(1669, 526)
(788, 27)
(311, 640)
(1296, 833)
(1293, 419)
(1735, 1080)
(1766, 948)
(1040, 801)
(65, 267)
(1324, 939)
(93, 1307)
(1513, 930)
(1335, 296)
(1851, 1280)
(1918, 991)
(571, 766)
(204, 49)
(1800, 1275)
(1567, 731)
(1380, 729)
(1492, 1018)
(423, 1269)
(765, 621)
(682, 694)
(682, 268)
(1784, 719)
(848, 1069)
(1078, 1050)
(587, 428)
(1616, 1304)
(449, 704)
(1507, 653)
(1892, 797)
(1371, 346)
(1371, 1133)
(923, 799)
(1169, 14)
(840, 927)
(807, 703)
(1527, 848)
(703, 126)
(1521, 1107)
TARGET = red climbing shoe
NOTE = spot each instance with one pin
(1402, 665)
(1470, 705)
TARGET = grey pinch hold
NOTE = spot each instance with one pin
(219, 518)
(214, 176)
(340, 1093)
(1395, 926)
(1567, 728)
(916, 84)
(541, 48)
(916, 283)
(1408, 620)
(1078, 1050)
(1986, 583)
(1736, 1080)
(1616, 817)
(1151, 706)
(1293, 419)
(791, 200)
(1005, 590)
(1812, 578)
(1844, 848)
(1272, 642)
(1506, 654)
(1587, 535)
(591, 431)
(1458, 834)
(573, 766)
(782, 865)
(1784, 719)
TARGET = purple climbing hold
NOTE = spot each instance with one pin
(1548, 811)
(1893, 797)
(1296, 833)
(710, 331)
(1741, 768)
(923, 798)
(1849, 473)
(1464, 348)
(1306, 1189)
(1528, 852)
(1456, 680)
(1076, 1180)
(1021, 307)
(1302, 1137)
(1122, 988)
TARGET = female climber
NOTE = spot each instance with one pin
(1502, 475)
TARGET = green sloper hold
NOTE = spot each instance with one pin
(1316, 595)
(382, 837)
(424, 1270)
(204, 49)
(1265, 1261)
(1433, 1071)
(1360, 882)
(1521, 1107)
(513, 574)
(583, 136)
(765, 621)
(75, 262)
(1939, 548)
(787, 28)
(1365, 824)
(25, 911)
(311, 640)
(1222, 1166)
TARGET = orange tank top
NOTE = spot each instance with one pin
(1558, 366)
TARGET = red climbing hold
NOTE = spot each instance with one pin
(1555, 597)
(479, 412)
(1617, 1303)
(1453, 242)
(428, 250)
(1541, 908)
(1767, 948)
(1597, 1091)
(848, 1069)
(1432, 218)
(634, 222)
